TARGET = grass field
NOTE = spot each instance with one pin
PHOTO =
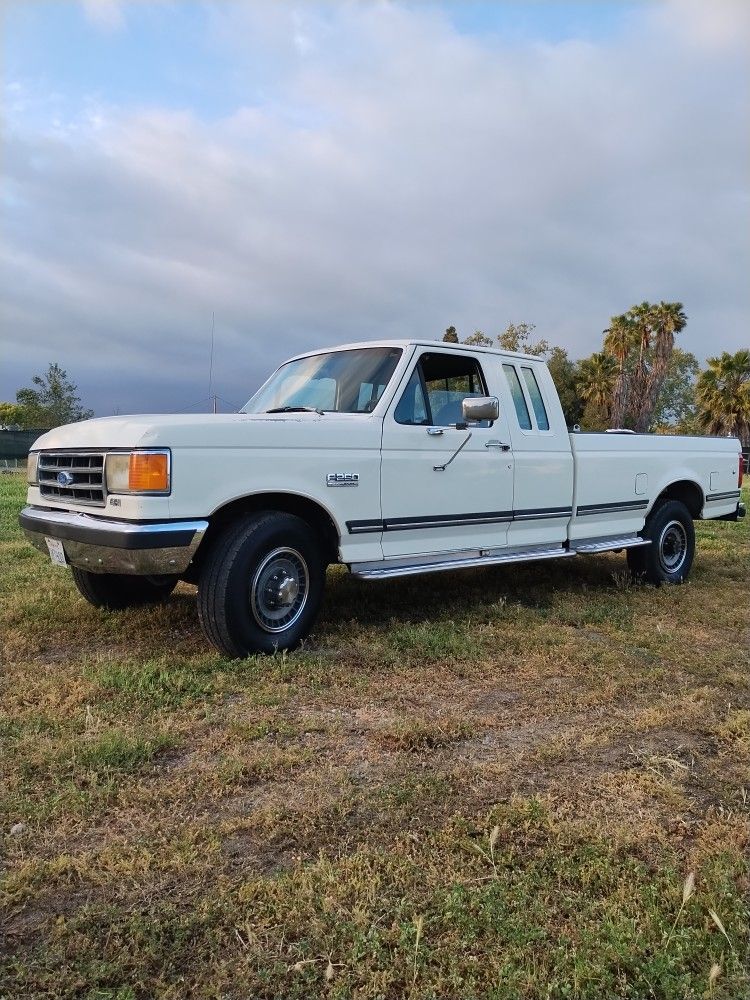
(482, 785)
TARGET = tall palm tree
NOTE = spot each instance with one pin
(620, 339)
(641, 321)
(660, 323)
(596, 380)
(723, 395)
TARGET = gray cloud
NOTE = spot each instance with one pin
(402, 177)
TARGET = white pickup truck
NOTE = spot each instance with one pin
(392, 457)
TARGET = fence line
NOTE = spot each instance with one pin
(15, 444)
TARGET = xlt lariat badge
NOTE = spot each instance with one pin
(342, 479)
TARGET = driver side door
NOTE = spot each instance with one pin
(444, 485)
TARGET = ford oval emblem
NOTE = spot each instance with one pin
(65, 478)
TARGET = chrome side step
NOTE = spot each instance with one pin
(587, 547)
(397, 567)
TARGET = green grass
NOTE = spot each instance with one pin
(117, 751)
(156, 683)
(482, 785)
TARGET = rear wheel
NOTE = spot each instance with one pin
(669, 557)
(261, 585)
(116, 591)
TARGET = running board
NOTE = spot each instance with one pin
(608, 544)
(397, 567)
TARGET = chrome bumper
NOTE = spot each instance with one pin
(106, 546)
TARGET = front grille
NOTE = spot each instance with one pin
(86, 470)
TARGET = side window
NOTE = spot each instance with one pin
(436, 389)
(412, 408)
(522, 410)
(537, 402)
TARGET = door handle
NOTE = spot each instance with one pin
(494, 443)
(434, 431)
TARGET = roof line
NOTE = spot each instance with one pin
(416, 342)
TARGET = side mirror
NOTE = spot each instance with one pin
(480, 408)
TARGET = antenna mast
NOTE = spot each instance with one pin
(212, 398)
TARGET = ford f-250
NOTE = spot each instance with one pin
(391, 457)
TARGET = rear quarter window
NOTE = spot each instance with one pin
(535, 396)
(519, 401)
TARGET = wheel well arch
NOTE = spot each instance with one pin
(687, 491)
(319, 519)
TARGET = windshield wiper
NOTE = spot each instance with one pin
(296, 409)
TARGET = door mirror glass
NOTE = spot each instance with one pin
(480, 408)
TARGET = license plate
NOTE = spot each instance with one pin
(56, 551)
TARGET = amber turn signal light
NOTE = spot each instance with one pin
(148, 472)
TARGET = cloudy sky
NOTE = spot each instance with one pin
(320, 173)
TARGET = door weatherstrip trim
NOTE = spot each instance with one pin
(453, 520)
(541, 512)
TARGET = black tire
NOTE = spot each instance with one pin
(669, 557)
(261, 585)
(116, 591)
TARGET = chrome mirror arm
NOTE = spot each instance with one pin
(442, 468)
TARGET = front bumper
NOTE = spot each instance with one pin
(103, 545)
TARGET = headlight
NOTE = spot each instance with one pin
(138, 472)
(32, 465)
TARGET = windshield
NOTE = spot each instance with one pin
(337, 382)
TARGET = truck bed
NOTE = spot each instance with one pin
(618, 476)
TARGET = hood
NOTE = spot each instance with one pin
(160, 430)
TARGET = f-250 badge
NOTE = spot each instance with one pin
(342, 479)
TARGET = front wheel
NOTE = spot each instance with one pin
(261, 586)
(669, 557)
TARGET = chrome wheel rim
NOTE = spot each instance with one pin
(673, 546)
(279, 590)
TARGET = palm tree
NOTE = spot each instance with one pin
(619, 341)
(659, 325)
(641, 341)
(723, 395)
(641, 318)
(596, 380)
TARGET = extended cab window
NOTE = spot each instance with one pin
(519, 400)
(537, 402)
(436, 389)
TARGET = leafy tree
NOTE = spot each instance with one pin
(564, 374)
(478, 339)
(12, 414)
(53, 401)
(517, 337)
(723, 395)
(596, 380)
(676, 407)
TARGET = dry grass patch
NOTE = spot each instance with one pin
(420, 734)
(488, 785)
